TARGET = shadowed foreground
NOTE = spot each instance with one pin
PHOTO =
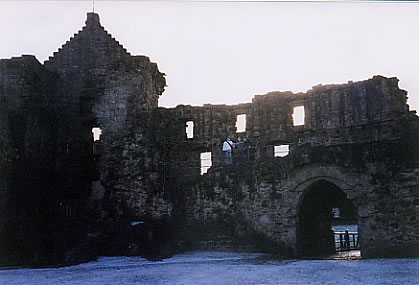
(219, 268)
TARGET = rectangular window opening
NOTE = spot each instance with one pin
(281, 150)
(97, 132)
(241, 123)
(298, 116)
(189, 129)
(206, 162)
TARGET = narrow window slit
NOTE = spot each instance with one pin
(189, 129)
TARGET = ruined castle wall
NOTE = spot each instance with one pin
(124, 112)
(352, 136)
(141, 184)
(26, 160)
(353, 104)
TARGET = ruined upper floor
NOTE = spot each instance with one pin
(329, 114)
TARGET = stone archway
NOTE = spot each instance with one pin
(354, 185)
(314, 234)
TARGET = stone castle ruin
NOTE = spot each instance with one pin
(153, 181)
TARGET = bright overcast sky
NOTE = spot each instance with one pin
(226, 52)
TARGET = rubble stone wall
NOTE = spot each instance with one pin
(98, 84)
(26, 159)
(353, 137)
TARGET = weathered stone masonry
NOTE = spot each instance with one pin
(48, 112)
(355, 136)
(139, 189)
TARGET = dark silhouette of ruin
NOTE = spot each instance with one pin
(156, 181)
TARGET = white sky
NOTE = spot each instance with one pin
(226, 52)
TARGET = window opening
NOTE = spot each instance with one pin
(298, 116)
(241, 123)
(97, 132)
(206, 162)
(189, 129)
(281, 150)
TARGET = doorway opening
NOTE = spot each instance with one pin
(327, 221)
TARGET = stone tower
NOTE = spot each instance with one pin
(52, 167)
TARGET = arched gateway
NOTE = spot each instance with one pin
(323, 207)
(325, 199)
